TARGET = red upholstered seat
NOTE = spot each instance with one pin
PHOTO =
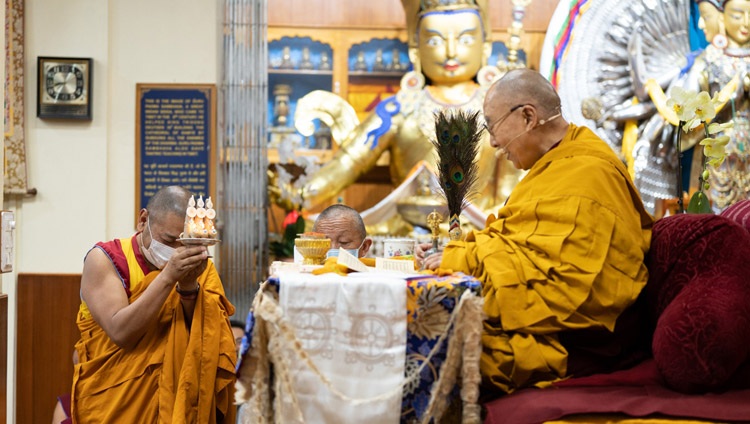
(698, 299)
(636, 392)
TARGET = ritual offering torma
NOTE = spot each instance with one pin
(199, 223)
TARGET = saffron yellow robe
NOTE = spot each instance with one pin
(565, 252)
(171, 375)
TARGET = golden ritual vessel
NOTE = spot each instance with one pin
(313, 247)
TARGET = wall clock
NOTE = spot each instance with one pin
(64, 87)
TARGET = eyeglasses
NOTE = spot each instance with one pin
(504, 117)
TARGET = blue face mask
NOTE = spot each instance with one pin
(354, 252)
(335, 252)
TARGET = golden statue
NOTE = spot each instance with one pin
(618, 85)
(434, 219)
(717, 67)
(449, 47)
(723, 68)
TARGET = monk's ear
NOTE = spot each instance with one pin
(530, 114)
(140, 225)
(366, 245)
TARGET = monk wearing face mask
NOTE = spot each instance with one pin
(344, 226)
(156, 343)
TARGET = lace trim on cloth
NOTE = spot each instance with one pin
(274, 342)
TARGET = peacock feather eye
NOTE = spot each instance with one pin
(445, 137)
(456, 138)
(457, 174)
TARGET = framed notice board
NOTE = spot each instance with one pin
(175, 139)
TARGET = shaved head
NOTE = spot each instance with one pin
(344, 226)
(342, 213)
(524, 117)
(521, 86)
(168, 200)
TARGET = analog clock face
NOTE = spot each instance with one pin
(64, 83)
(64, 87)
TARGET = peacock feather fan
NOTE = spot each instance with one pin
(457, 142)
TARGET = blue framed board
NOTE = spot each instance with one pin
(175, 139)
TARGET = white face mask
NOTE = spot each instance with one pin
(157, 253)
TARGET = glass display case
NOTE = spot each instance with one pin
(302, 60)
(375, 70)
(298, 65)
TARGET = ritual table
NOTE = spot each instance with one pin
(306, 335)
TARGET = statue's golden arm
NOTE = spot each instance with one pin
(355, 157)
(330, 108)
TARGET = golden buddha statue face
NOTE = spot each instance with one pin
(450, 45)
(709, 20)
(737, 22)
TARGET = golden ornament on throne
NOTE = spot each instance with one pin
(449, 45)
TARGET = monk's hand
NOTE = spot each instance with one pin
(187, 264)
(192, 276)
(419, 251)
(433, 261)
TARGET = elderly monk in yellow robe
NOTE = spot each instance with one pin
(156, 343)
(566, 252)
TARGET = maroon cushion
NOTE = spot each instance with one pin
(698, 290)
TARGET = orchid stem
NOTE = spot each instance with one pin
(680, 205)
(704, 162)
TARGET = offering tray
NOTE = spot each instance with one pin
(198, 241)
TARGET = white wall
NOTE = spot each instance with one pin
(174, 42)
(66, 160)
(85, 171)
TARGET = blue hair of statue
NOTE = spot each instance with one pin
(696, 35)
(385, 110)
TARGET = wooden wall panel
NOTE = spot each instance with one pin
(337, 13)
(46, 334)
(3, 356)
(363, 196)
(388, 14)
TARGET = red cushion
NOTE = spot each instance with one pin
(698, 289)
